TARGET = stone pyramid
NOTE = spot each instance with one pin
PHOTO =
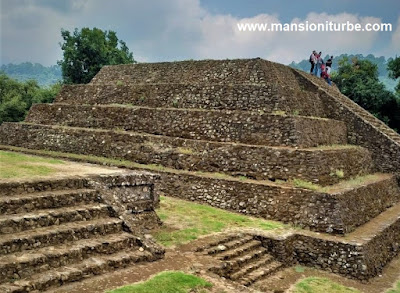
(250, 136)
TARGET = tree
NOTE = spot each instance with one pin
(88, 50)
(17, 97)
(394, 70)
(358, 79)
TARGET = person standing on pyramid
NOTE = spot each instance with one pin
(319, 63)
(312, 60)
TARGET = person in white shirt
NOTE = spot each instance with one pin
(313, 60)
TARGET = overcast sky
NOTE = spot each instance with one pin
(168, 30)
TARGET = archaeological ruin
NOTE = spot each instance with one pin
(249, 136)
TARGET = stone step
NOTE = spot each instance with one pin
(27, 203)
(45, 218)
(217, 240)
(235, 252)
(247, 97)
(260, 273)
(317, 165)
(227, 268)
(245, 270)
(48, 236)
(75, 272)
(225, 246)
(41, 185)
(26, 263)
(225, 126)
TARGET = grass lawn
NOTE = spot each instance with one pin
(185, 221)
(396, 289)
(14, 165)
(167, 282)
(318, 285)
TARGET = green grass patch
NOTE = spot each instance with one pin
(278, 112)
(305, 184)
(318, 285)
(186, 151)
(167, 282)
(299, 269)
(185, 221)
(396, 289)
(15, 165)
(338, 173)
(335, 147)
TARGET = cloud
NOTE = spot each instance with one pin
(221, 37)
(31, 33)
(395, 46)
(159, 30)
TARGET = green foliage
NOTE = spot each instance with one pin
(88, 50)
(318, 285)
(358, 79)
(305, 184)
(338, 173)
(381, 63)
(167, 282)
(45, 76)
(17, 97)
(394, 71)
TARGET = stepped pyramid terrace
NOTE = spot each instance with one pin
(248, 136)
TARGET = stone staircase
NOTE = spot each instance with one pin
(243, 135)
(242, 259)
(59, 232)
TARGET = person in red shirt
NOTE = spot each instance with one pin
(325, 74)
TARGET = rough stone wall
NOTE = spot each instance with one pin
(362, 260)
(313, 210)
(133, 197)
(335, 256)
(230, 126)
(205, 71)
(260, 162)
(364, 203)
(363, 129)
(382, 248)
(235, 96)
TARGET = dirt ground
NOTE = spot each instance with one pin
(184, 258)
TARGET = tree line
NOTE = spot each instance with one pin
(85, 51)
(358, 79)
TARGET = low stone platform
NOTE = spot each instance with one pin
(256, 128)
(254, 161)
(233, 96)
